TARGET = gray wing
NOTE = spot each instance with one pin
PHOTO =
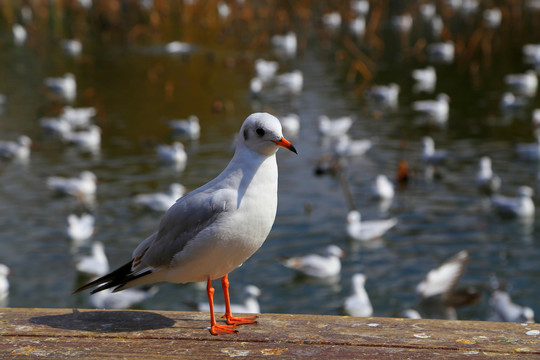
(190, 215)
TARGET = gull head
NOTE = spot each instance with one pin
(262, 133)
(333, 250)
(353, 217)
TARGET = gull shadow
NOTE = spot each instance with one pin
(105, 321)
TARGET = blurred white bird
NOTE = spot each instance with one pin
(425, 78)
(510, 103)
(290, 124)
(4, 285)
(382, 188)
(250, 304)
(291, 82)
(108, 299)
(59, 126)
(71, 47)
(429, 154)
(16, 150)
(95, 264)
(84, 185)
(64, 86)
(287, 44)
(504, 309)
(334, 127)
(80, 228)
(386, 95)
(492, 17)
(19, 34)
(402, 23)
(178, 47)
(332, 20)
(255, 86)
(174, 154)
(88, 140)
(266, 69)
(521, 206)
(487, 181)
(161, 201)
(358, 304)
(189, 128)
(357, 26)
(319, 266)
(360, 7)
(523, 84)
(441, 52)
(78, 117)
(437, 110)
(368, 229)
(347, 148)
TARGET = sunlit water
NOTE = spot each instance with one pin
(437, 218)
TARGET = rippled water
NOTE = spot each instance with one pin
(138, 88)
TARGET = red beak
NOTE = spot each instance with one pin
(285, 144)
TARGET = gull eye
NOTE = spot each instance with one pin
(260, 132)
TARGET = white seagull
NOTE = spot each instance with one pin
(84, 185)
(4, 285)
(80, 228)
(319, 266)
(386, 95)
(19, 34)
(429, 154)
(78, 117)
(290, 124)
(368, 229)
(64, 86)
(426, 79)
(215, 228)
(72, 47)
(347, 147)
(437, 110)
(95, 264)
(358, 304)
(16, 150)
(523, 84)
(266, 69)
(441, 52)
(189, 128)
(249, 306)
(88, 140)
(173, 154)
(529, 151)
(487, 181)
(504, 309)
(521, 206)
(334, 127)
(56, 126)
(287, 44)
(382, 188)
(291, 82)
(161, 201)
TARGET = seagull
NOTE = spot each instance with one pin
(174, 154)
(386, 95)
(16, 150)
(382, 188)
(189, 128)
(4, 285)
(287, 43)
(319, 266)
(212, 230)
(108, 299)
(332, 20)
(347, 147)
(437, 110)
(64, 86)
(95, 264)
(250, 305)
(84, 185)
(266, 69)
(438, 293)
(492, 17)
(178, 47)
(357, 26)
(521, 206)
(72, 47)
(291, 82)
(161, 201)
(510, 103)
(80, 228)
(358, 303)
(523, 84)
(368, 229)
(426, 79)
(290, 124)
(19, 34)
(429, 154)
(503, 309)
(78, 117)
(56, 126)
(487, 181)
(255, 86)
(441, 52)
(89, 140)
(334, 127)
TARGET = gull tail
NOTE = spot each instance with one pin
(118, 279)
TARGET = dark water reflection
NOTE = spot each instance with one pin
(138, 88)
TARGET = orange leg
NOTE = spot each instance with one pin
(231, 320)
(216, 329)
